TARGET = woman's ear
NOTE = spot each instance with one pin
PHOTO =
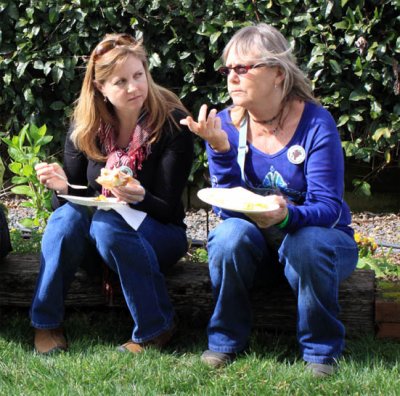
(280, 76)
(98, 86)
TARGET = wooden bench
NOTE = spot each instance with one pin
(189, 287)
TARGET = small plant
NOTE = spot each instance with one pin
(366, 245)
(26, 150)
(382, 266)
(23, 243)
(200, 255)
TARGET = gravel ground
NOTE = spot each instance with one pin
(383, 227)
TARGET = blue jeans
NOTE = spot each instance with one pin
(137, 257)
(315, 260)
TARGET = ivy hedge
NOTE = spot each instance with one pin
(350, 49)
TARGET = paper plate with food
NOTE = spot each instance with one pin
(237, 199)
(100, 201)
(109, 178)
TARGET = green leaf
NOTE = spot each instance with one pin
(335, 66)
(362, 187)
(343, 120)
(388, 156)
(58, 105)
(27, 170)
(381, 132)
(21, 67)
(57, 74)
(184, 55)
(15, 167)
(23, 190)
(357, 95)
(214, 37)
(27, 222)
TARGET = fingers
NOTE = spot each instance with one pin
(190, 123)
(45, 175)
(202, 113)
(132, 193)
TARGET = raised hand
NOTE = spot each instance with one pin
(208, 128)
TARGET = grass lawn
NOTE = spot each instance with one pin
(92, 366)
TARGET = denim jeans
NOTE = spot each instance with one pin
(136, 256)
(315, 260)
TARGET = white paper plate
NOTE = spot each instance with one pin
(237, 199)
(91, 201)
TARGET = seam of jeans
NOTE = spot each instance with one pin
(140, 238)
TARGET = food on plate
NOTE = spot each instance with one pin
(101, 197)
(252, 206)
(110, 178)
(237, 199)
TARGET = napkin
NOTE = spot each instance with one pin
(132, 216)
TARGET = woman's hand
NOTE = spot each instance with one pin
(132, 193)
(46, 174)
(268, 219)
(209, 129)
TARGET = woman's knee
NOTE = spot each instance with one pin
(106, 228)
(307, 250)
(67, 222)
(234, 234)
(235, 245)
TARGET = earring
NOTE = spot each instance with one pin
(275, 86)
(105, 99)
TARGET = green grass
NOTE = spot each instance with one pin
(92, 366)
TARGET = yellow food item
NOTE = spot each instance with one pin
(101, 197)
(255, 206)
(110, 178)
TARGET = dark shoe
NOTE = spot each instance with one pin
(49, 341)
(321, 370)
(159, 342)
(217, 359)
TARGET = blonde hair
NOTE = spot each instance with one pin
(91, 108)
(263, 43)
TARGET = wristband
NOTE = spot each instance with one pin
(284, 222)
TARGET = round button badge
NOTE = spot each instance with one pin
(296, 154)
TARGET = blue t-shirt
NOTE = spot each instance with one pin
(309, 171)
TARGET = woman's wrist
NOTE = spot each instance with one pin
(284, 222)
(220, 147)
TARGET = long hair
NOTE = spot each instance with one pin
(263, 43)
(91, 108)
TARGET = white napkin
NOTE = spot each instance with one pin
(132, 216)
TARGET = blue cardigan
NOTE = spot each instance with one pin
(309, 171)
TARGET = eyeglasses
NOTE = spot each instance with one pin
(109, 44)
(239, 69)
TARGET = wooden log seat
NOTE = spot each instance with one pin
(189, 287)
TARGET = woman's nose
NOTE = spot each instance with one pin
(131, 86)
(233, 76)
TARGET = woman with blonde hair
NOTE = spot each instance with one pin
(126, 123)
(276, 140)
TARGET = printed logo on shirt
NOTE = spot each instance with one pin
(296, 154)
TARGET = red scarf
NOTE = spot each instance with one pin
(131, 156)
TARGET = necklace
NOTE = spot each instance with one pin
(275, 130)
(270, 120)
